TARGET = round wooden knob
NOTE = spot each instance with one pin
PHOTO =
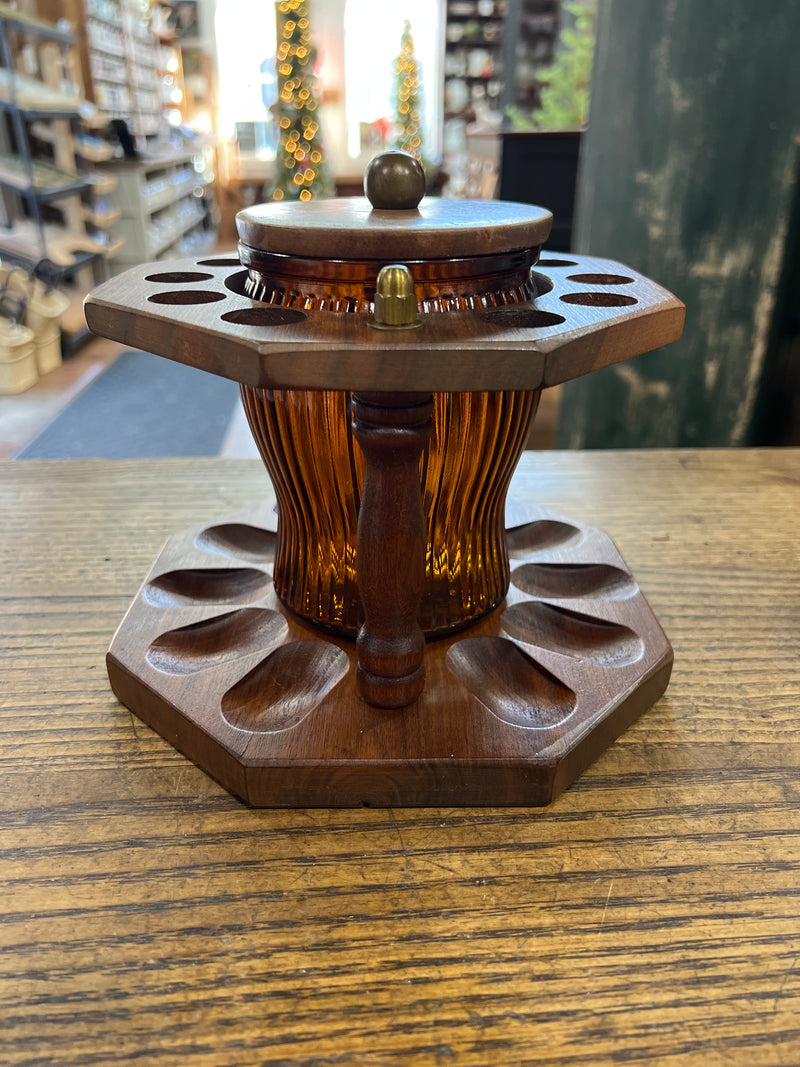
(394, 180)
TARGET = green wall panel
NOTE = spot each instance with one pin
(689, 174)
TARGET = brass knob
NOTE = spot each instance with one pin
(394, 180)
(395, 300)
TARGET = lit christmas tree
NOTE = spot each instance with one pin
(408, 97)
(299, 170)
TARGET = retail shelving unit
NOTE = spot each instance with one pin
(493, 52)
(473, 56)
(47, 188)
(162, 214)
(120, 60)
(529, 39)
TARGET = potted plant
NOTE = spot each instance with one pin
(540, 148)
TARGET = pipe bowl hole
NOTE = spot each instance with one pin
(236, 282)
(540, 283)
(206, 585)
(541, 535)
(525, 318)
(213, 642)
(600, 279)
(238, 540)
(510, 683)
(573, 634)
(178, 277)
(580, 580)
(264, 316)
(230, 261)
(600, 300)
(186, 296)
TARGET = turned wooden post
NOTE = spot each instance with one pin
(392, 430)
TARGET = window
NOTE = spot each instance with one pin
(247, 79)
(372, 42)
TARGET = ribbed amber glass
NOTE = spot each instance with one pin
(348, 286)
(317, 469)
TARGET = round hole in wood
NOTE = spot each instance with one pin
(556, 263)
(177, 277)
(599, 300)
(532, 318)
(229, 261)
(600, 279)
(266, 316)
(236, 282)
(186, 296)
(540, 283)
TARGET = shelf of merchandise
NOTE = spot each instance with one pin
(473, 57)
(37, 181)
(493, 51)
(532, 28)
(25, 23)
(119, 58)
(43, 104)
(160, 213)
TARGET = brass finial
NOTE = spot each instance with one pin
(394, 180)
(395, 300)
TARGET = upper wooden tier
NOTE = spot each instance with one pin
(588, 313)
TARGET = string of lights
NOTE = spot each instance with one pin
(408, 122)
(300, 165)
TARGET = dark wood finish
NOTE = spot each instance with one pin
(392, 664)
(648, 916)
(225, 332)
(392, 430)
(514, 708)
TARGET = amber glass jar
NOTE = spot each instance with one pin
(317, 469)
(306, 439)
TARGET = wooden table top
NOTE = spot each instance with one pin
(650, 915)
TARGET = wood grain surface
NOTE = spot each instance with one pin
(352, 227)
(650, 915)
(589, 313)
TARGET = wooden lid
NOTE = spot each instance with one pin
(350, 228)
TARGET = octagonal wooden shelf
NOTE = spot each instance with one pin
(588, 313)
(514, 709)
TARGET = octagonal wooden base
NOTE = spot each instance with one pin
(514, 709)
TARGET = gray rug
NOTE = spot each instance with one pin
(142, 405)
